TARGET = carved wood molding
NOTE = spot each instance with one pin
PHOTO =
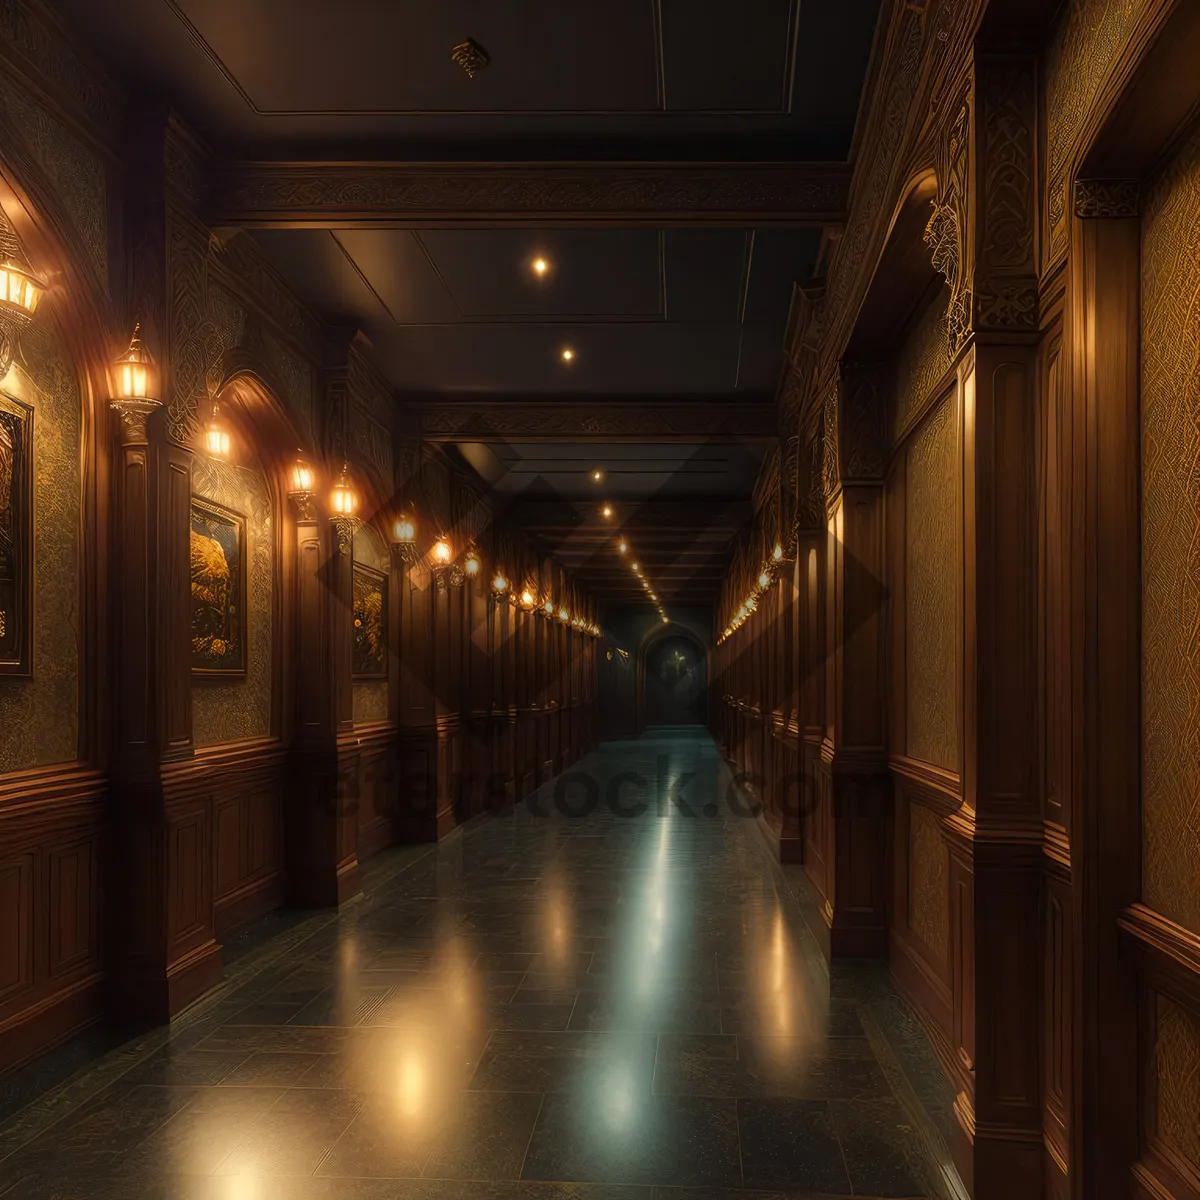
(669, 420)
(325, 194)
(946, 235)
(1107, 198)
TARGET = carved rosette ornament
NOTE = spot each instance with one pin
(1110, 198)
(945, 234)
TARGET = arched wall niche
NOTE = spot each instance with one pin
(50, 711)
(252, 484)
(655, 638)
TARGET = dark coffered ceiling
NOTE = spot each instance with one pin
(675, 162)
(567, 78)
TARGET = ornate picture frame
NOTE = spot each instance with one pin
(370, 614)
(16, 537)
(218, 586)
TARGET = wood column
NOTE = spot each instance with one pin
(161, 948)
(852, 771)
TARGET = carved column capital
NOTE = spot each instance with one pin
(134, 414)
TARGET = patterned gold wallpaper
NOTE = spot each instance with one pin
(1170, 453)
(230, 710)
(369, 697)
(931, 580)
(39, 716)
(1177, 1059)
(928, 880)
(924, 359)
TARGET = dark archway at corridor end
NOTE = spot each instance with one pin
(675, 681)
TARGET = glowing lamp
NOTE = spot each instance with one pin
(442, 552)
(471, 563)
(764, 580)
(343, 499)
(302, 478)
(404, 530)
(499, 584)
(563, 615)
(216, 436)
(134, 370)
(527, 599)
(548, 608)
(19, 289)
(777, 553)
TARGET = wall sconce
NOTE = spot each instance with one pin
(777, 553)
(528, 600)
(216, 436)
(344, 502)
(134, 396)
(20, 293)
(404, 540)
(548, 608)
(500, 586)
(564, 616)
(764, 580)
(300, 493)
(445, 570)
(471, 564)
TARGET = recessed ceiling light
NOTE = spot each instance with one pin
(606, 511)
(622, 546)
(540, 267)
(597, 475)
(568, 354)
(635, 566)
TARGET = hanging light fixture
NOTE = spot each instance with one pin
(499, 584)
(471, 563)
(344, 502)
(216, 436)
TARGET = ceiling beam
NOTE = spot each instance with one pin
(373, 195)
(582, 418)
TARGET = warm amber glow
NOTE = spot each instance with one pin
(442, 552)
(216, 436)
(134, 371)
(302, 478)
(777, 553)
(764, 580)
(606, 511)
(540, 267)
(499, 584)
(343, 499)
(471, 564)
(622, 547)
(19, 288)
(563, 615)
(527, 599)
(404, 531)
(597, 475)
(548, 608)
(568, 354)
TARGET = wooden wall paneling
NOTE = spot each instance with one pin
(51, 915)
(416, 801)
(1102, 344)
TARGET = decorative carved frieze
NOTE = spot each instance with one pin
(1106, 198)
(267, 193)
(1007, 91)
(861, 423)
(830, 475)
(1006, 303)
(812, 499)
(946, 232)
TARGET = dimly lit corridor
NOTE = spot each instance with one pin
(551, 995)
(599, 599)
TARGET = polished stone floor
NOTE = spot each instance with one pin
(552, 1003)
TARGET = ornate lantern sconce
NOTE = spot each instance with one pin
(20, 293)
(500, 592)
(344, 502)
(446, 572)
(528, 599)
(134, 395)
(404, 540)
(302, 488)
(472, 564)
(216, 435)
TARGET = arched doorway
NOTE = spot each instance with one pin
(674, 681)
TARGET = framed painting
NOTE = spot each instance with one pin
(16, 542)
(370, 623)
(218, 570)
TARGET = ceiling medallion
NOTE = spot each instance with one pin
(471, 56)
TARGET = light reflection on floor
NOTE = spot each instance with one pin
(604, 1000)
